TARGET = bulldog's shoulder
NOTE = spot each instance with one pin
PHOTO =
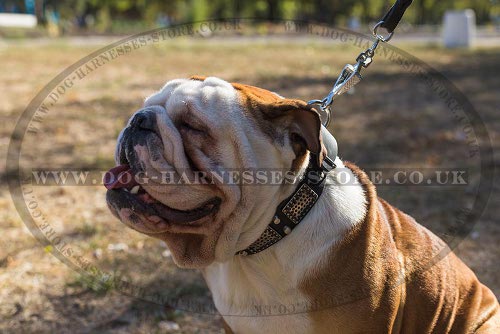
(435, 286)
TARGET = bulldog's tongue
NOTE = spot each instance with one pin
(119, 177)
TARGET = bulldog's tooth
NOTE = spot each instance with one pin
(125, 189)
(155, 219)
(135, 189)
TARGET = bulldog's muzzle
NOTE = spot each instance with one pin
(127, 183)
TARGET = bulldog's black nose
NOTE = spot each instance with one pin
(144, 120)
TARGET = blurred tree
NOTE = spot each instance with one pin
(327, 11)
(273, 9)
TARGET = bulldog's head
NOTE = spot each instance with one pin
(191, 130)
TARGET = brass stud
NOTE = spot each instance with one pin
(287, 230)
(276, 220)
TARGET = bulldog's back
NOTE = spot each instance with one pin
(439, 294)
(392, 275)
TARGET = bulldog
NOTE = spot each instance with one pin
(301, 255)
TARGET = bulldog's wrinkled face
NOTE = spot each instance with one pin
(197, 127)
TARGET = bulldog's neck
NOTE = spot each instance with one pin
(244, 284)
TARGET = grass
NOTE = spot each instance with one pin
(40, 294)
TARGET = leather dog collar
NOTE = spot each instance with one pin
(293, 209)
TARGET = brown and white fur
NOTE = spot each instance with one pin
(353, 265)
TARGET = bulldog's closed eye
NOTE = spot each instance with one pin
(190, 127)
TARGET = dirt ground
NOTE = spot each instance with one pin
(392, 120)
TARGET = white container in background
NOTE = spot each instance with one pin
(459, 28)
(17, 20)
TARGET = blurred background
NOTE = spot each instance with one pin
(391, 119)
(127, 16)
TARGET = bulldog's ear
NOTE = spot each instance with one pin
(302, 121)
(303, 124)
(305, 132)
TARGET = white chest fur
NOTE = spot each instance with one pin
(258, 293)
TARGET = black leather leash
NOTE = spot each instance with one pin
(394, 15)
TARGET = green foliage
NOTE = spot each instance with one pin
(199, 10)
(331, 11)
(91, 283)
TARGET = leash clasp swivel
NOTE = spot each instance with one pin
(350, 75)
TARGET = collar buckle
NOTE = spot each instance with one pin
(328, 164)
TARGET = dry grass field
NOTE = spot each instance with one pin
(392, 120)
